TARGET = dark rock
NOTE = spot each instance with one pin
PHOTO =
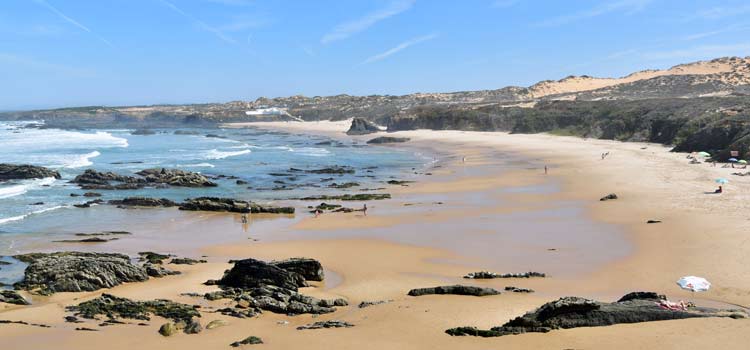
(399, 182)
(72, 319)
(175, 177)
(87, 240)
(158, 271)
(193, 327)
(115, 307)
(86, 329)
(153, 258)
(310, 269)
(186, 132)
(77, 271)
(37, 203)
(143, 132)
(349, 197)
(518, 290)
(454, 289)
(143, 202)
(490, 275)
(362, 127)
(92, 194)
(653, 221)
(241, 182)
(103, 233)
(20, 172)
(332, 170)
(251, 273)
(326, 324)
(344, 185)
(186, 261)
(12, 297)
(610, 196)
(251, 340)
(365, 304)
(92, 179)
(388, 139)
(574, 312)
(231, 205)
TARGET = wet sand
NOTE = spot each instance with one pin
(498, 212)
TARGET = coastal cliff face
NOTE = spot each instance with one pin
(695, 106)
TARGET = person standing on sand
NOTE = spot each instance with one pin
(364, 209)
(244, 218)
(545, 170)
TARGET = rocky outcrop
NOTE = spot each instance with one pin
(491, 275)
(251, 340)
(362, 127)
(96, 180)
(175, 177)
(12, 297)
(77, 271)
(251, 273)
(309, 269)
(231, 205)
(388, 139)
(143, 202)
(326, 324)
(574, 312)
(454, 289)
(186, 261)
(608, 197)
(330, 170)
(349, 197)
(21, 172)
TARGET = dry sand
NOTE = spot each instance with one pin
(398, 247)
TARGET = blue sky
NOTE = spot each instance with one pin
(124, 52)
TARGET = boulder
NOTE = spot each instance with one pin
(78, 271)
(175, 177)
(143, 202)
(92, 179)
(216, 324)
(168, 329)
(310, 269)
(21, 172)
(336, 169)
(231, 205)
(251, 340)
(12, 297)
(144, 132)
(610, 196)
(115, 307)
(251, 273)
(574, 312)
(362, 127)
(454, 289)
(388, 139)
(186, 261)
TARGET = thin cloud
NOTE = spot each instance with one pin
(72, 21)
(215, 31)
(403, 46)
(347, 29)
(628, 7)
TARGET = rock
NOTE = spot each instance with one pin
(87, 240)
(344, 185)
(103, 233)
(388, 139)
(216, 324)
(72, 319)
(362, 127)
(490, 275)
(610, 196)
(251, 273)
(143, 132)
(349, 197)
(574, 312)
(251, 340)
(241, 182)
(186, 261)
(193, 327)
(231, 205)
(12, 297)
(92, 194)
(154, 258)
(158, 271)
(454, 289)
(168, 329)
(653, 221)
(115, 307)
(332, 170)
(365, 304)
(399, 182)
(78, 271)
(518, 290)
(175, 177)
(326, 324)
(143, 202)
(186, 132)
(21, 172)
(86, 329)
(310, 269)
(92, 179)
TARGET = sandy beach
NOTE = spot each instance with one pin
(496, 210)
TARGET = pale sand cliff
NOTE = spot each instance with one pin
(701, 234)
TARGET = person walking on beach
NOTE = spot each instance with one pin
(244, 218)
(364, 209)
(545, 170)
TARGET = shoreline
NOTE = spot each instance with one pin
(370, 268)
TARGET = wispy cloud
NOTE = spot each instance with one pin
(715, 13)
(702, 51)
(203, 25)
(347, 29)
(72, 21)
(400, 47)
(627, 7)
(504, 3)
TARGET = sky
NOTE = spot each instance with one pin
(58, 53)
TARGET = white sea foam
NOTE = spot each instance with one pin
(21, 217)
(198, 165)
(311, 151)
(216, 154)
(82, 160)
(24, 186)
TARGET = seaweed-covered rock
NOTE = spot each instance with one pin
(115, 307)
(20, 172)
(251, 340)
(168, 329)
(12, 297)
(92, 180)
(573, 312)
(336, 169)
(326, 324)
(251, 273)
(231, 205)
(143, 202)
(454, 289)
(388, 139)
(78, 271)
(349, 197)
(361, 126)
(310, 269)
(153, 258)
(186, 261)
(175, 177)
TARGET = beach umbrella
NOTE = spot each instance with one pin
(704, 154)
(721, 181)
(742, 161)
(732, 159)
(693, 283)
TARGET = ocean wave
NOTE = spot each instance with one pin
(244, 145)
(21, 217)
(216, 154)
(198, 165)
(36, 140)
(25, 186)
(82, 160)
(311, 151)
